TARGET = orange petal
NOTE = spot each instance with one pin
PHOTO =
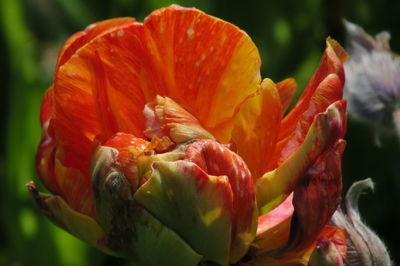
(87, 100)
(257, 127)
(81, 38)
(287, 89)
(325, 87)
(208, 66)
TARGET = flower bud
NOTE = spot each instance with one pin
(325, 254)
(364, 247)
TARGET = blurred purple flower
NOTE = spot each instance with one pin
(372, 77)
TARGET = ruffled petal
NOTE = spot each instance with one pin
(195, 205)
(216, 159)
(274, 186)
(164, 117)
(325, 87)
(257, 126)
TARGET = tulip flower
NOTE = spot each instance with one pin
(162, 144)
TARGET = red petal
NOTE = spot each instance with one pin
(325, 87)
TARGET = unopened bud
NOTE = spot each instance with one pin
(364, 247)
(325, 254)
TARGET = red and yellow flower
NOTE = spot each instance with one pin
(160, 137)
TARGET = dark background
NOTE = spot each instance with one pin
(290, 37)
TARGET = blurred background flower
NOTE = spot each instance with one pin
(290, 36)
(372, 79)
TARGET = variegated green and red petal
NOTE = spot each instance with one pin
(257, 127)
(195, 205)
(316, 198)
(274, 186)
(325, 87)
(216, 159)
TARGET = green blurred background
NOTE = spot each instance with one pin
(290, 37)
